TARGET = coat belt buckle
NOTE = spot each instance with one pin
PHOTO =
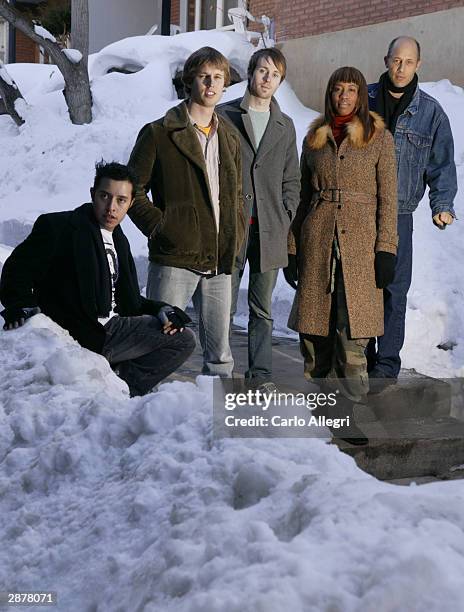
(329, 195)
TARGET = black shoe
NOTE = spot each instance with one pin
(351, 434)
(362, 441)
(348, 433)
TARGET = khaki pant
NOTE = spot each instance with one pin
(337, 357)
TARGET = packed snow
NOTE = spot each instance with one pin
(125, 505)
(73, 55)
(44, 33)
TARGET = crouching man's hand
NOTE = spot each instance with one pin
(16, 317)
(173, 319)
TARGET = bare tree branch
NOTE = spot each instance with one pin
(77, 87)
(10, 93)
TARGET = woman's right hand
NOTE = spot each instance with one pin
(291, 272)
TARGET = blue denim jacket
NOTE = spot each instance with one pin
(424, 153)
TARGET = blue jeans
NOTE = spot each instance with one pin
(142, 353)
(385, 360)
(211, 297)
(260, 288)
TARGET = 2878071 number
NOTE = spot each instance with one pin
(37, 598)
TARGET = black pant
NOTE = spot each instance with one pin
(144, 354)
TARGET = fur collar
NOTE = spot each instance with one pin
(319, 132)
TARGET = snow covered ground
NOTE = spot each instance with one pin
(125, 505)
(130, 505)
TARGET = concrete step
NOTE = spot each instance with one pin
(428, 447)
(415, 428)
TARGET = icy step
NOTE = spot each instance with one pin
(417, 447)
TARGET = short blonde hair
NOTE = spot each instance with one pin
(194, 63)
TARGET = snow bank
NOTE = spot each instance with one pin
(138, 51)
(125, 504)
(47, 164)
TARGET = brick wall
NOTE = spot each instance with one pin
(26, 50)
(175, 12)
(301, 18)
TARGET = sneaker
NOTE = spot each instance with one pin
(268, 388)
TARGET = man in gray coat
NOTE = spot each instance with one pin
(271, 188)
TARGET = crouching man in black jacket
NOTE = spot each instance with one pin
(77, 268)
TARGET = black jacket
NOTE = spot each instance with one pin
(58, 268)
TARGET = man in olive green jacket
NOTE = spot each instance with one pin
(195, 223)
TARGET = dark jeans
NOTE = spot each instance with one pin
(384, 360)
(260, 288)
(142, 353)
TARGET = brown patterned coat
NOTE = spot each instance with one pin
(365, 221)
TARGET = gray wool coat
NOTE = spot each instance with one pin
(271, 176)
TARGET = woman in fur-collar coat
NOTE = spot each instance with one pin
(344, 236)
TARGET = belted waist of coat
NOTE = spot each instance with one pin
(342, 195)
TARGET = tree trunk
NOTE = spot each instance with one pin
(77, 93)
(10, 93)
(80, 27)
(77, 86)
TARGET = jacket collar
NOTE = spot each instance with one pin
(413, 106)
(177, 117)
(274, 131)
(177, 121)
(84, 214)
(320, 132)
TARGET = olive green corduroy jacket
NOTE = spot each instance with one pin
(179, 222)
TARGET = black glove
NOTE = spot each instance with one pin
(291, 271)
(175, 316)
(152, 308)
(384, 269)
(16, 317)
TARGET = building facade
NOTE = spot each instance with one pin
(318, 36)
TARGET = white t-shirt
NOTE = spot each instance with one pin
(112, 258)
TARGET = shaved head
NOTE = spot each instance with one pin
(408, 40)
(403, 60)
